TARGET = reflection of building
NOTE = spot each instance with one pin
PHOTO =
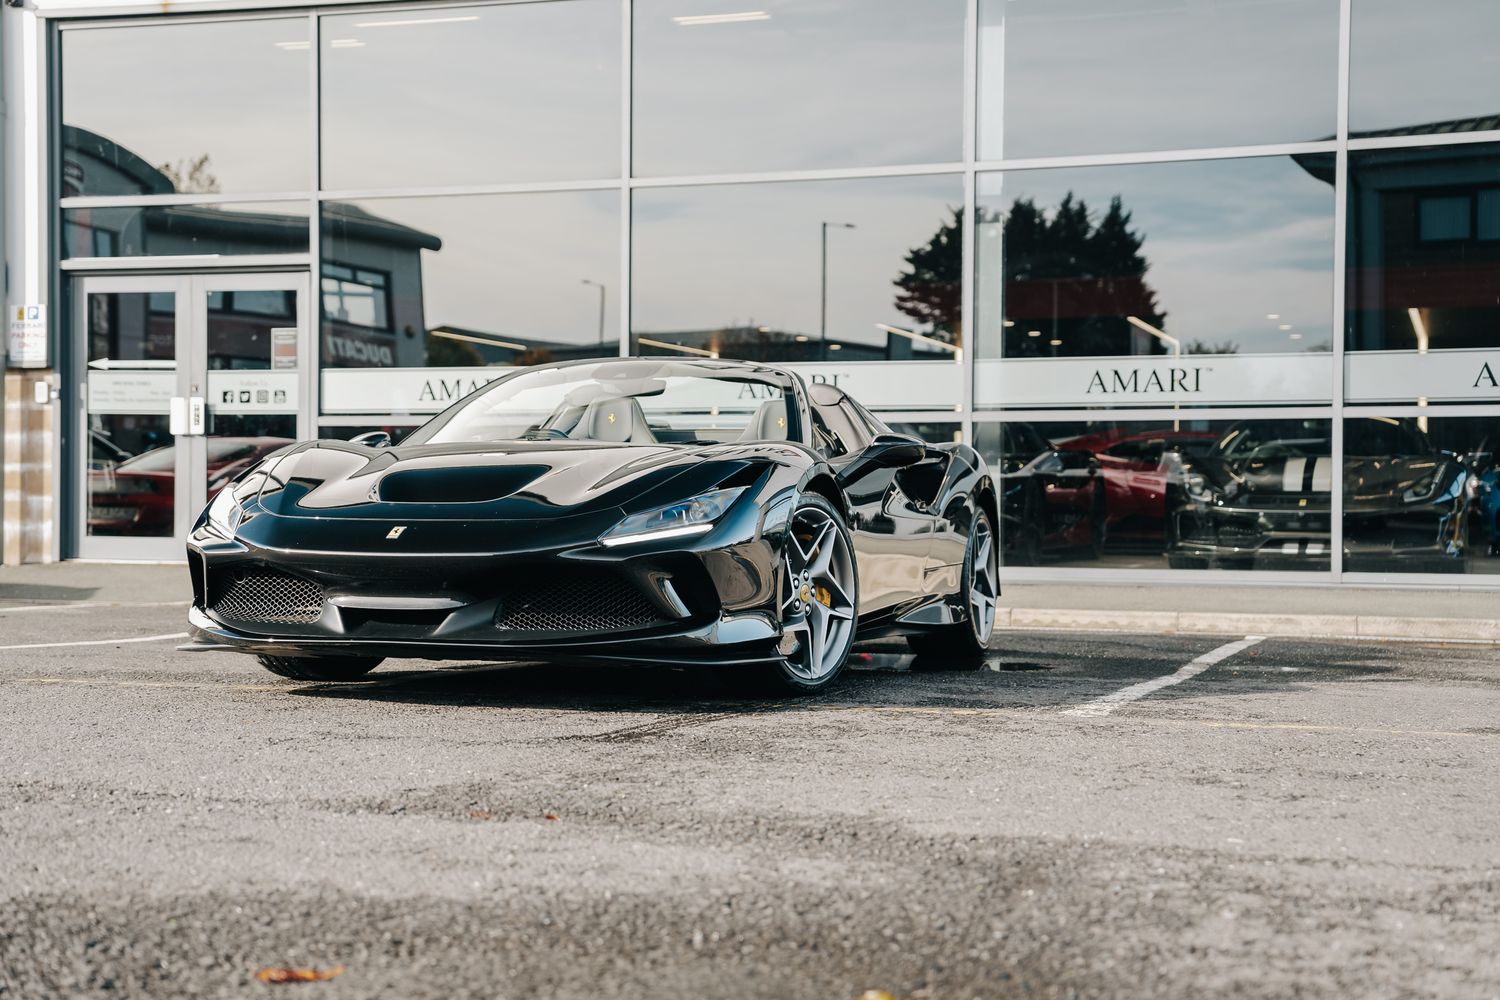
(1424, 246)
(372, 293)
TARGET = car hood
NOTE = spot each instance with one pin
(1380, 481)
(521, 480)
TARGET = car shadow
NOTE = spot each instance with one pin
(880, 674)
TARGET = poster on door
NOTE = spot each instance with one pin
(243, 392)
(124, 392)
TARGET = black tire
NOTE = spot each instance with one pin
(795, 673)
(1030, 537)
(320, 668)
(1098, 524)
(960, 646)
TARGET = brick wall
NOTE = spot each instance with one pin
(28, 522)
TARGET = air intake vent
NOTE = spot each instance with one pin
(265, 596)
(587, 602)
(460, 485)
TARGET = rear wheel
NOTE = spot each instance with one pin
(819, 598)
(961, 646)
(320, 668)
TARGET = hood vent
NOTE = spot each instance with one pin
(475, 484)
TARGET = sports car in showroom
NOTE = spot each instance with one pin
(1052, 498)
(1262, 496)
(637, 509)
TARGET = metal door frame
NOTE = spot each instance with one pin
(191, 342)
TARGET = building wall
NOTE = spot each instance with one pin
(1113, 245)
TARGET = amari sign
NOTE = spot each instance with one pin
(1203, 379)
(1436, 376)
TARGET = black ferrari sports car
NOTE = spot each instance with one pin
(1261, 497)
(639, 509)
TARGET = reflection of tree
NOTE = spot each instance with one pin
(1065, 277)
(443, 352)
(191, 176)
(930, 291)
(1204, 347)
(1071, 283)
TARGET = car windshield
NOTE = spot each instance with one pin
(624, 402)
(1385, 437)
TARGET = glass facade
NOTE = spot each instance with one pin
(1198, 317)
(799, 271)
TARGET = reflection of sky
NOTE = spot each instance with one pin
(1412, 63)
(820, 83)
(1099, 76)
(1228, 241)
(749, 254)
(172, 92)
(494, 94)
(513, 265)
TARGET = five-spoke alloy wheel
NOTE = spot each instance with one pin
(819, 596)
(962, 645)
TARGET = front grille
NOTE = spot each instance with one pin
(266, 596)
(1237, 534)
(576, 603)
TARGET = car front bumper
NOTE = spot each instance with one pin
(710, 600)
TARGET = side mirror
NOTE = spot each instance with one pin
(372, 439)
(895, 451)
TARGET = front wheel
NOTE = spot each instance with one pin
(961, 646)
(320, 668)
(819, 598)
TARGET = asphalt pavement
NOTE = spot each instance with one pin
(1094, 814)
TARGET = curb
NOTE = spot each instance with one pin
(1287, 626)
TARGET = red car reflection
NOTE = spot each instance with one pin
(138, 496)
(1136, 470)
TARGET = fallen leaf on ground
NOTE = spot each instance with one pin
(481, 814)
(877, 995)
(281, 974)
(550, 815)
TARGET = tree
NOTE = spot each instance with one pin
(191, 176)
(1204, 347)
(443, 352)
(931, 289)
(1065, 276)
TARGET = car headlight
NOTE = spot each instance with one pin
(225, 513)
(1422, 489)
(677, 520)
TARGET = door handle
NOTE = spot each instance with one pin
(177, 420)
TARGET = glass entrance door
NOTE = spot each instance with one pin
(189, 380)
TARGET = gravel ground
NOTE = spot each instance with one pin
(1302, 819)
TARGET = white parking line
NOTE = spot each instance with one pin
(1103, 706)
(98, 642)
(93, 604)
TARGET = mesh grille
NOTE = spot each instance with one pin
(1240, 532)
(582, 603)
(261, 596)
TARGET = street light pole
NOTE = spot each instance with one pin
(823, 290)
(597, 285)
